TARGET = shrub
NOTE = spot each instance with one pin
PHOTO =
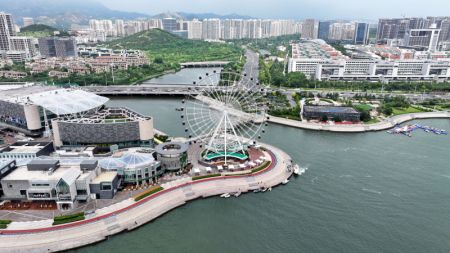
(261, 167)
(148, 192)
(205, 176)
(5, 222)
(387, 110)
(68, 218)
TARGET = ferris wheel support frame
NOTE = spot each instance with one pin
(223, 126)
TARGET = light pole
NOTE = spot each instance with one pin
(112, 72)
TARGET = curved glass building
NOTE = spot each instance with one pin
(133, 167)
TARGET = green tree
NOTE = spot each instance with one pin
(365, 116)
(296, 79)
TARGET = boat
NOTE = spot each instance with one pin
(237, 194)
(297, 170)
(264, 189)
(285, 181)
(270, 189)
(225, 195)
(256, 190)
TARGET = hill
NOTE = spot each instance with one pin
(173, 49)
(40, 30)
(62, 13)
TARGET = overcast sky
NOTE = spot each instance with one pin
(294, 9)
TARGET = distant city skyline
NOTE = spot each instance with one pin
(290, 9)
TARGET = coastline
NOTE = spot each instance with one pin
(360, 128)
(134, 214)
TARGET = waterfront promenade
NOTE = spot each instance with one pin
(358, 128)
(37, 237)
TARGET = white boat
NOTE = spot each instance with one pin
(270, 189)
(225, 195)
(302, 170)
(237, 194)
(264, 189)
(285, 181)
(297, 170)
(256, 190)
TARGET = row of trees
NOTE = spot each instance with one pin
(121, 77)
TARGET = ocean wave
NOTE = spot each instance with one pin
(371, 191)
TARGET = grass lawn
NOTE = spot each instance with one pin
(400, 111)
(362, 107)
(148, 192)
(289, 117)
(372, 121)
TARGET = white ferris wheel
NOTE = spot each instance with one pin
(227, 114)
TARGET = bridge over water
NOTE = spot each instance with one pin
(205, 64)
(143, 90)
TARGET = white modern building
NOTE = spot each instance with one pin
(31, 108)
(424, 38)
(211, 29)
(64, 182)
(372, 70)
(195, 29)
(27, 21)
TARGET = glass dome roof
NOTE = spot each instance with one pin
(134, 160)
(112, 164)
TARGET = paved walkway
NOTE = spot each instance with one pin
(356, 128)
(100, 226)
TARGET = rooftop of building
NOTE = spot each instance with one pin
(67, 172)
(25, 147)
(171, 148)
(128, 159)
(58, 100)
(109, 115)
(107, 176)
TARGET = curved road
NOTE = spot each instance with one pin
(77, 234)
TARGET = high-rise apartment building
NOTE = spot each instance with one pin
(211, 29)
(27, 21)
(23, 44)
(342, 31)
(195, 29)
(58, 47)
(7, 30)
(310, 29)
(424, 38)
(361, 33)
(120, 27)
(398, 28)
(170, 24)
(324, 30)
(104, 25)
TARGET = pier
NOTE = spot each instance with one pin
(37, 237)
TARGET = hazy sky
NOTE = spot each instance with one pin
(296, 9)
